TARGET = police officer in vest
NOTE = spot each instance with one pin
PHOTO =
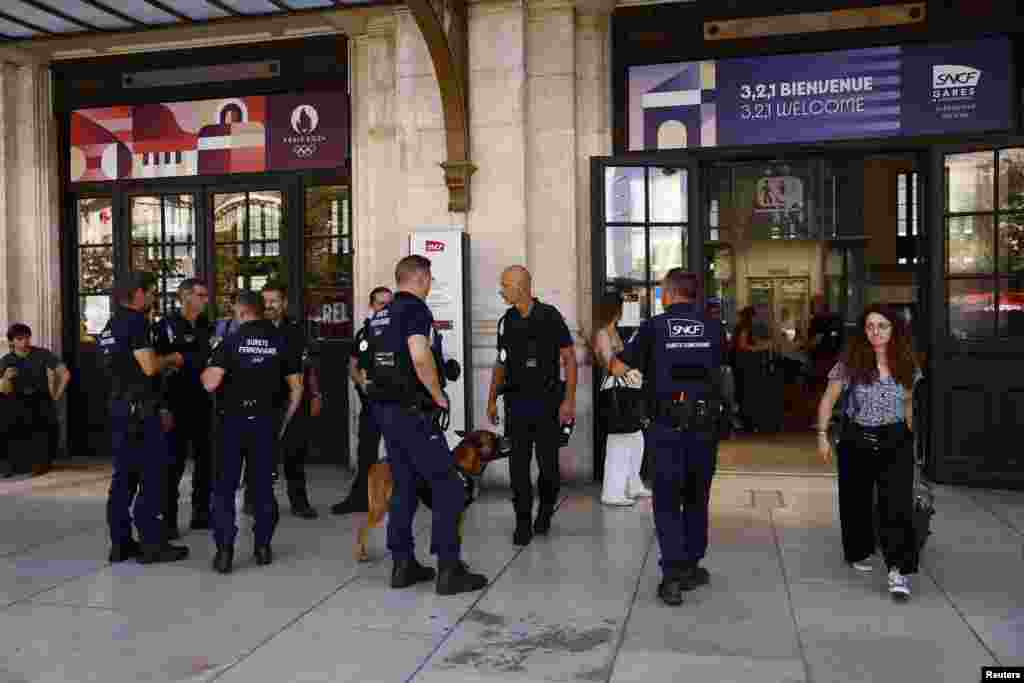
(533, 343)
(403, 384)
(137, 425)
(294, 446)
(187, 331)
(369, 430)
(680, 354)
(250, 364)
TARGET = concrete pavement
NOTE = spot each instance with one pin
(579, 605)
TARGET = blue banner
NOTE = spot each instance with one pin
(875, 92)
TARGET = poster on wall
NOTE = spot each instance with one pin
(210, 137)
(875, 92)
(445, 247)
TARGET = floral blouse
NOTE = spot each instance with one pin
(879, 403)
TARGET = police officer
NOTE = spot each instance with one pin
(533, 342)
(138, 442)
(369, 430)
(404, 386)
(294, 445)
(680, 353)
(188, 332)
(250, 364)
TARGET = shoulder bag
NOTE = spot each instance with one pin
(622, 409)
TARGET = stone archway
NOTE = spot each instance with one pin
(449, 53)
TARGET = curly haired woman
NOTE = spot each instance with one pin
(879, 369)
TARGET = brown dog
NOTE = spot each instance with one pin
(471, 456)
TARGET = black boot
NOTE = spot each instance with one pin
(671, 590)
(153, 553)
(300, 504)
(455, 577)
(405, 573)
(354, 503)
(543, 524)
(129, 550)
(263, 554)
(694, 577)
(224, 559)
(524, 531)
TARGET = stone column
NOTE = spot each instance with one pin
(30, 211)
(375, 173)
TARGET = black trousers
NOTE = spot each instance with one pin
(532, 424)
(28, 431)
(887, 470)
(192, 426)
(368, 450)
(292, 452)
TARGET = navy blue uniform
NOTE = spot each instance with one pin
(530, 351)
(255, 362)
(138, 445)
(416, 446)
(680, 354)
(192, 410)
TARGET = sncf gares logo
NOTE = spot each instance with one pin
(434, 245)
(954, 82)
(680, 327)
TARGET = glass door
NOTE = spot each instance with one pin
(642, 232)
(328, 300)
(977, 390)
(249, 238)
(641, 215)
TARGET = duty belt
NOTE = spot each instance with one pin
(686, 414)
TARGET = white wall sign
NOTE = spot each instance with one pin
(445, 247)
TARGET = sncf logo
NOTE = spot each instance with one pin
(434, 245)
(680, 327)
(954, 76)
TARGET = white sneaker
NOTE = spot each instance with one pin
(899, 585)
(638, 491)
(865, 565)
(618, 502)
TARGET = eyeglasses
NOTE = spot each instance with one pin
(880, 327)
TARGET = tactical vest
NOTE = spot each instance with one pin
(384, 355)
(127, 380)
(684, 355)
(532, 363)
(257, 350)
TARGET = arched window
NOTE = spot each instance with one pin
(672, 135)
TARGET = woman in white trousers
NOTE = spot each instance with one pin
(623, 452)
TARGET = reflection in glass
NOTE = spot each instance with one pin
(625, 253)
(971, 243)
(248, 229)
(721, 286)
(668, 195)
(624, 194)
(1011, 307)
(635, 305)
(95, 269)
(971, 308)
(970, 182)
(95, 311)
(328, 296)
(95, 221)
(1011, 179)
(668, 249)
(1011, 244)
(229, 217)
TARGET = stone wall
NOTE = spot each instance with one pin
(539, 109)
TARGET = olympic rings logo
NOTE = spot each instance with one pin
(304, 151)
